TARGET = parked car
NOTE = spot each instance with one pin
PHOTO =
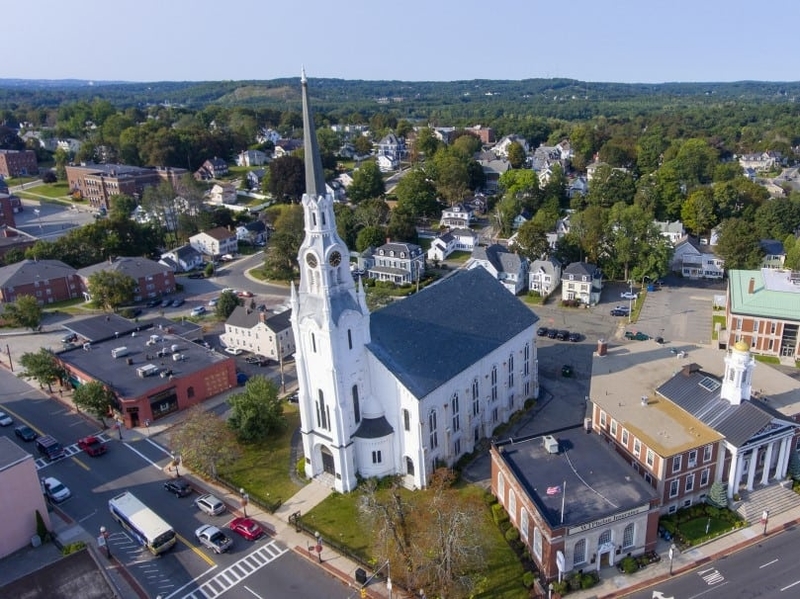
(247, 528)
(166, 303)
(629, 295)
(213, 538)
(25, 433)
(178, 487)
(245, 294)
(257, 360)
(5, 419)
(69, 338)
(617, 312)
(178, 302)
(55, 490)
(50, 448)
(210, 504)
(562, 335)
(213, 301)
(152, 303)
(197, 275)
(637, 336)
(234, 351)
(198, 310)
(92, 446)
(542, 331)
(574, 337)
(551, 334)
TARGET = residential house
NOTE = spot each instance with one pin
(151, 366)
(213, 168)
(501, 147)
(260, 333)
(254, 233)
(223, 194)
(70, 145)
(544, 276)
(444, 134)
(579, 186)
(14, 239)
(96, 183)
(18, 163)
(153, 279)
(458, 216)
(673, 231)
(583, 282)
(478, 203)
(19, 476)
(215, 243)
(392, 147)
(774, 254)
(254, 178)
(387, 163)
(285, 147)
(520, 219)
(398, 262)
(251, 158)
(268, 135)
(493, 167)
(183, 259)
(761, 161)
(695, 260)
(544, 157)
(48, 281)
(345, 179)
(763, 310)
(573, 501)
(504, 265)
(463, 240)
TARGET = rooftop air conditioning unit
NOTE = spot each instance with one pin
(550, 444)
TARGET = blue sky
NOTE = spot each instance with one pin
(629, 41)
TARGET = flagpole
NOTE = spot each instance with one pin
(563, 500)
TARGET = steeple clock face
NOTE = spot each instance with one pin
(335, 259)
(311, 260)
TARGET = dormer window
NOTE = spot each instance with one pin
(402, 254)
(391, 253)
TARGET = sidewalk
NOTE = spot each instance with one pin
(615, 584)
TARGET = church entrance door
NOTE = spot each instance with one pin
(327, 461)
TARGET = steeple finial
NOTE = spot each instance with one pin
(315, 179)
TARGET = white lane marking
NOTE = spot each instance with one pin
(248, 589)
(791, 585)
(157, 446)
(768, 563)
(141, 455)
(192, 581)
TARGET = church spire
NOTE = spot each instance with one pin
(315, 178)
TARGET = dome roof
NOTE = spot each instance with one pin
(741, 346)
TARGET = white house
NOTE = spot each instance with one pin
(254, 232)
(501, 147)
(673, 231)
(376, 395)
(774, 254)
(183, 259)
(451, 241)
(251, 158)
(216, 242)
(695, 260)
(544, 276)
(260, 333)
(387, 163)
(583, 282)
(505, 266)
(223, 193)
(459, 216)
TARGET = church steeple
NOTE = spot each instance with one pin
(315, 177)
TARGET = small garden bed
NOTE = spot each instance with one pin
(697, 524)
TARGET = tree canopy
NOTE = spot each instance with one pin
(257, 412)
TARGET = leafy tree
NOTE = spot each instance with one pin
(362, 145)
(695, 161)
(777, 218)
(697, 213)
(205, 441)
(426, 143)
(208, 271)
(43, 367)
(49, 177)
(531, 241)
(378, 297)
(226, 304)
(521, 185)
(370, 236)
(61, 159)
(257, 411)
(590, 228)
(609, 186)
(716, 495)
(122, 206)
(95, 398)
(402, 225)
(793, 469)
(506, 210)
(739, 245)
(466, 142)
(367, 183)
(280, 261)
(631, 238)
(25, 312)
(371, 213)
(450, 170)
(287, 178)
(418, 193)
(345, 223)
(110, 289)
(516, 154)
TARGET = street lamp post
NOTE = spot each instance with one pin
(104, 536)
(318, 548)
(550, 591)
(671, 557)
(245, 500)
(765, 520)
(176, 461)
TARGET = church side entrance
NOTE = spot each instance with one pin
(327, 461)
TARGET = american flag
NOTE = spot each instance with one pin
(554, 490)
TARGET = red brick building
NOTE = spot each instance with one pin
(6, 212)
(153, 279)
(47, 280)
(96, 183)
(18, 163)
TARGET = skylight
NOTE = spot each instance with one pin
(709, 384)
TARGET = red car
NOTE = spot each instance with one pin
(92, 445)
(249, 529)
(245, 294)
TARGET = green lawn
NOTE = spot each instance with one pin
(459, 256)
(696, 529)
(58, 190)
(714, 320)
(263, 469)
(337, 518)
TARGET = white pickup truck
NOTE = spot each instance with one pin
(213, 538)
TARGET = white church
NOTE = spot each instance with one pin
(413, 386)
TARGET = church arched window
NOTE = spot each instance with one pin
(409, 466)
(314, 218)
(526, 359)
(322, 411)
(434, 434)
(456, 413)
(494, 383)
(349, 339)
(313, 343)
(406, 420)
(510, 371)
(476, 401)
(356, 407)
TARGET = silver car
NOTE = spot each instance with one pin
(210, 504)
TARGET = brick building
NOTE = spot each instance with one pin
(152, 367)
(18, 163)
(47, 280)
(96, 183)
(153, 279)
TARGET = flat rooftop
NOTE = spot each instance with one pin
(11, 453)
(599, 483)
(634, 370)
(143, 340)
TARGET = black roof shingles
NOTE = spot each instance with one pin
(469, 313)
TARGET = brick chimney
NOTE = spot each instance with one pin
(751, 287)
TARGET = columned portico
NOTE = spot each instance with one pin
(742, 458)
(767, 464)
(751, 471)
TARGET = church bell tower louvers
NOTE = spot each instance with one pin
(330, 321)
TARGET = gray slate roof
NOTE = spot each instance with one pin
(498, 256)
(373, 428)
(583, 270)
(430, 337)
(737, 423)
(29, 271)
(134, 267)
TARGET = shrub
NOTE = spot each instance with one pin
(588, 580)
(41, 529)
(561, 587)
(301, 467)
(512, 534)
(73, 548)
(489, 499)
(629, 565)
(499, 514)
(528, 579)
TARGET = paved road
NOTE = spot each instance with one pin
(767, 570)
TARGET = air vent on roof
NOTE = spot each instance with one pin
(709, 384)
